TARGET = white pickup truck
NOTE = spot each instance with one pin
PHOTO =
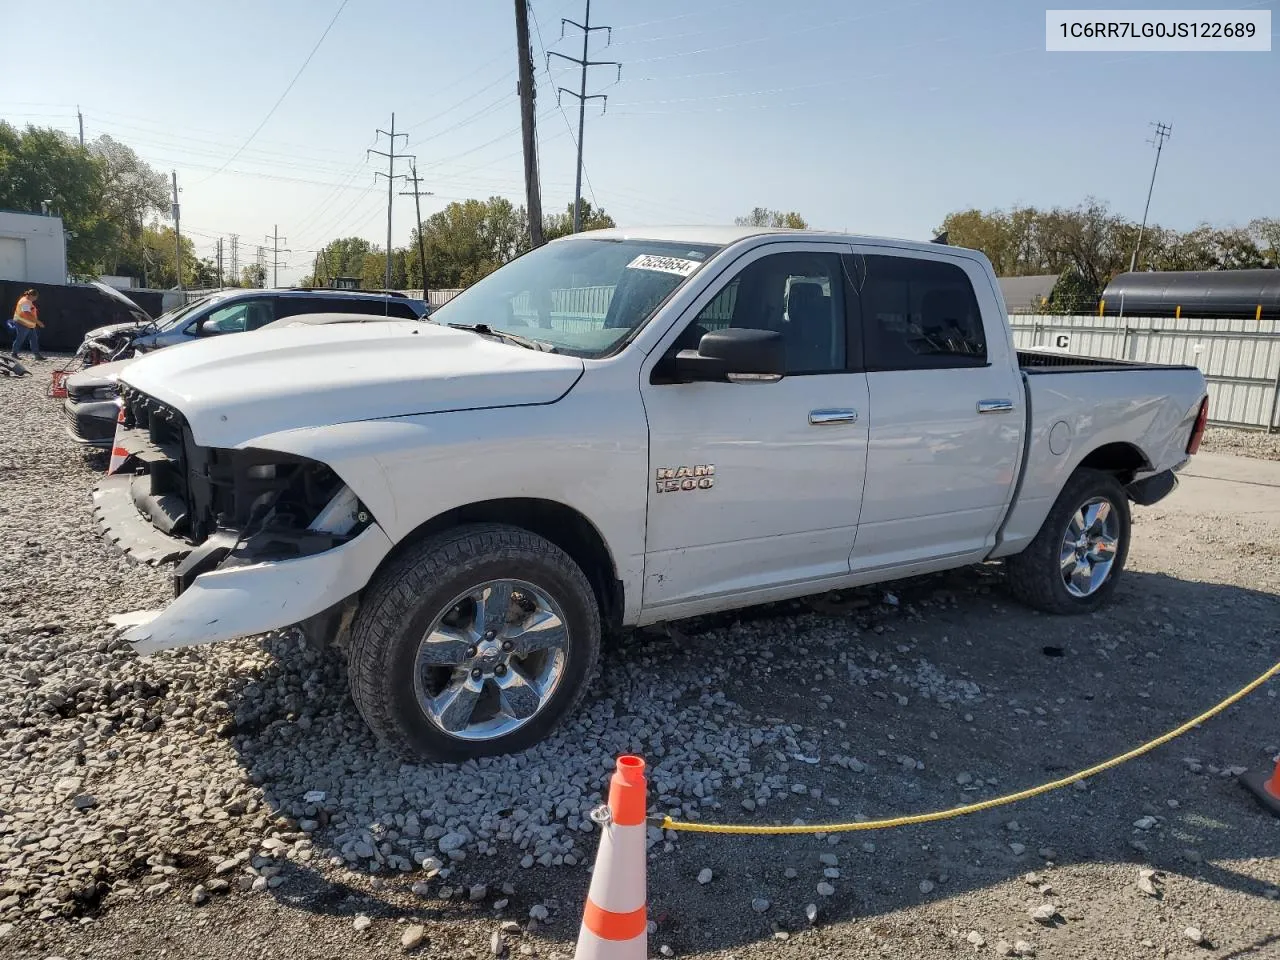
(619, 428)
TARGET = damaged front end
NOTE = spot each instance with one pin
(260, 539)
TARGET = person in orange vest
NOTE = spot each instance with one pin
(26, 321)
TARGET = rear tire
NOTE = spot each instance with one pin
(1070, 567)
(475, 642)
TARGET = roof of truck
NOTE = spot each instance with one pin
(723, 236)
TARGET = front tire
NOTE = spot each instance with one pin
(476, 642)
(1073, 564)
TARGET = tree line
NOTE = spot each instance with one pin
(112, 205)
(464, 242)
(468, 240)
(1087, 245)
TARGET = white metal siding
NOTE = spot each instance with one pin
(1240, 358)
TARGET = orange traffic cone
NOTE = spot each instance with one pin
(1266, 790)
(615, 923)
(118, 453)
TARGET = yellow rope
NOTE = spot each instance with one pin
(746, 828)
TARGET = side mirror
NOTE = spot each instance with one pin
(209, 328)
(736, 354)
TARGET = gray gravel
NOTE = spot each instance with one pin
(1242, 443)
(226, 801)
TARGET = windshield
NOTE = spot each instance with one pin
(173, 317)
(583, 296)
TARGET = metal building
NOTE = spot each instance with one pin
(33, 248)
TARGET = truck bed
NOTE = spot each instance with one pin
(1051, 361)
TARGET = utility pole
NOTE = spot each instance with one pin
(177, 230)
(80, 117)
(528, 91)
(586, 29)
(392, 157)
(275, 239)
(235, 258)
(1162, 133)
(417, 212)
(219, 262)
(262, 267)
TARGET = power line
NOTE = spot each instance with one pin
(552, 84)
(1157, 140)
(275, 239)
(584, 63)
(280, 100)
(417, 209)
(392, 157)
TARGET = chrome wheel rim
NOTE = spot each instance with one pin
(1089, 547)
(491, 661)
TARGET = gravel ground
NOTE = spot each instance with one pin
(165, 807)
(1242, 443)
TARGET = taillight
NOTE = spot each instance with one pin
(1197, 432)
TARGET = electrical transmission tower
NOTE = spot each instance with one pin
(417, 211)
(275, 239)
(261, 264)
(219, 261)
(235, 258)
(392, 157)
(581, 94)
(1157, 140)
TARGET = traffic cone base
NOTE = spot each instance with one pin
(615, 921)
(1265, 789)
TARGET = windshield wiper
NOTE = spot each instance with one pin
(527, 342)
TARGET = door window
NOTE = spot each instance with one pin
(800, 295)
(237, 317)
(917, 314)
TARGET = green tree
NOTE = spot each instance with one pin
(158, 258)
(131, 192)
(764, 217)
(1266, 233)
(254, 276)
(466, 241)
(561, 224)
(343, 257)
(45, 166)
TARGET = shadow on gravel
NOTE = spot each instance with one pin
(923, 695)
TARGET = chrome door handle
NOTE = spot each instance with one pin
(820, 418)
(995, 406)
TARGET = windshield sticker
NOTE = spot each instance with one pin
(677, 265)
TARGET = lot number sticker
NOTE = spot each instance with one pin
(677, 265)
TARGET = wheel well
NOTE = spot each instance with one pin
(565, 527)
(1121, 459)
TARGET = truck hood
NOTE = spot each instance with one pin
(233, 389)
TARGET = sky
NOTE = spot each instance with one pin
(873, 116)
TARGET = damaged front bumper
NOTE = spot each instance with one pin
(247, 599)
(261, 539)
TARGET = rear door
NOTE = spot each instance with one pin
(946, 410)
(755, 486)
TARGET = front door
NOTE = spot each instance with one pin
(756, 486)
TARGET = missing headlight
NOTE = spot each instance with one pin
(340, 515)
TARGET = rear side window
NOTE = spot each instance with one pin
(917, 314)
